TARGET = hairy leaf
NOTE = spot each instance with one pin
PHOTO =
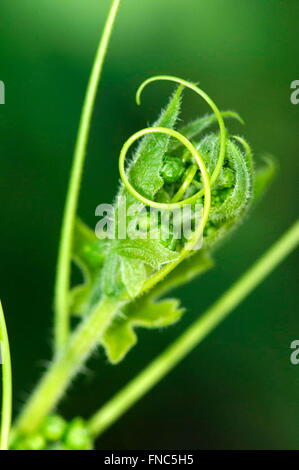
(233, 188)
(133, 275)
(120, 336)
(193, 266)
(144, 171)
(195, 127)
(111, 279)
(88, 251)
(88, 254)
(238, 197)
(150, 312)
(151, 252)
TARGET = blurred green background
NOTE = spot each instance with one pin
(238, 390)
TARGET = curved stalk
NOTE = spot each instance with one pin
(196, 333)
(6, 383)
(61, 327)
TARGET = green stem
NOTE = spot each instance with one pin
(164, 363)
(6, 384)
(66, 365)
(62, 321)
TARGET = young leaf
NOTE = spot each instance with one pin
(133, 275)
(144, 171)
(88, 254)
(150, 312)
(120, 336)
(151, 252)
(233, 188)
(238, 197)
(88, 251)
(189, 269)
(264, 176)
(111, 281)
(118, 340)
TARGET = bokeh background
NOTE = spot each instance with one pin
(237, 390)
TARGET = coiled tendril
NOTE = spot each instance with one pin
(177, 202)
(210, 102)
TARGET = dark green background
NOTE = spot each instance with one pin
(238, 389)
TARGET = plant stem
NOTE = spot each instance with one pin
(6, 384)
(164, 363)
(61, 328)
(65, 366)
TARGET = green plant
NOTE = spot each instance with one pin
(125, 278)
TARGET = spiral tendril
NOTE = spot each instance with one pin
(177, 201)
(208, 100)
(195, 153)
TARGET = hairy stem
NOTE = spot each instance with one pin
(164, 363)
(66, 365)
(61, 328)
(6, 383)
